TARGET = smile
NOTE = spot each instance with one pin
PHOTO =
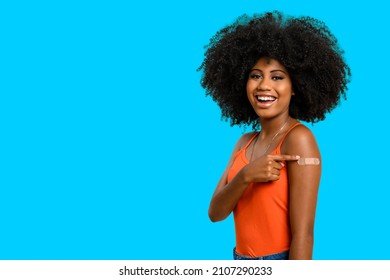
(265, 101)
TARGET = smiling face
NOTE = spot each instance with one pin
(269, 88)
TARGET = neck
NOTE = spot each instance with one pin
(269, 127)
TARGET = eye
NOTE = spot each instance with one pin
(276, 78)
(255, 76)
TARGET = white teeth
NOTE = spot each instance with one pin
(266, 98)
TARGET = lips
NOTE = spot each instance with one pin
(262, 98)
(264, 101)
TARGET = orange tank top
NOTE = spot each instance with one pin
(261, 216)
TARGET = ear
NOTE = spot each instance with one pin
(293, 93)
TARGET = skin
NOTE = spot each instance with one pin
(270, 78)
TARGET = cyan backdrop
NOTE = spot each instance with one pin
(110, 149)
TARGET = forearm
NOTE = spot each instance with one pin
(301, 247)
(264, 169)
(225, 199)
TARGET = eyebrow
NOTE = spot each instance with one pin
(276, 70)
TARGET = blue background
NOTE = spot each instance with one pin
(110, 149)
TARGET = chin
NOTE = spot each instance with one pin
(266, 115)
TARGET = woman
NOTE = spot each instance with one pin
(269, 71)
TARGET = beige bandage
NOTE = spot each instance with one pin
(309, 161)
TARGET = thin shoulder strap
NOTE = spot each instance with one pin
(286, 133)
(250, 141)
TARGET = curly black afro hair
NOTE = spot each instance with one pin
(304, 45)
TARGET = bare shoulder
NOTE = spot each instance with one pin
(301, 141)
(300, 133)
(244, 139)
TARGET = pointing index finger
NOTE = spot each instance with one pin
(285, 157)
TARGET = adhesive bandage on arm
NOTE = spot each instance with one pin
(309, 161)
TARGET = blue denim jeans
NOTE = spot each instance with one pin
(277, 256)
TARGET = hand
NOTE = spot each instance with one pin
(266, 168)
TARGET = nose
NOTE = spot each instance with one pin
(263, 85)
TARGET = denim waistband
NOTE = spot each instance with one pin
(278, 256)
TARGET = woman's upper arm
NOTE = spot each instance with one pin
(303, 180)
